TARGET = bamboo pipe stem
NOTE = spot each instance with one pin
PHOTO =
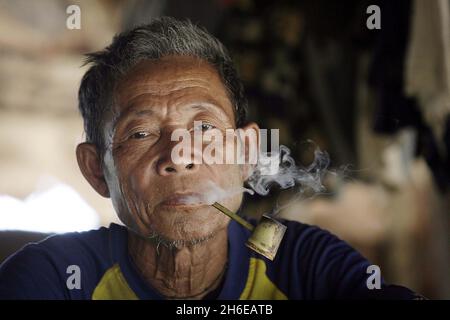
(233, 216)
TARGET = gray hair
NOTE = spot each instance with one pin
(161, 37)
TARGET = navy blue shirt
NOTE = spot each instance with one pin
(310, 264)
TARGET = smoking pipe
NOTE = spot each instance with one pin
(266, 236)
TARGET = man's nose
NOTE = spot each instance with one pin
(172, 162)
(167, 167)
(169, 164)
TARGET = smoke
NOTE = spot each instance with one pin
(211, 193)
(279, 168)
(274, 169)
(216, 194)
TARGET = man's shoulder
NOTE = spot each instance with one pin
(311, 245)
(47, 262)
(69, 246)
(310, 248)
(302, 235)
(69, 243)
(311, 263)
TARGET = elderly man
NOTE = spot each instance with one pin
(150, 81)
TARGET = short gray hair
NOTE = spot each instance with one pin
(161, 37)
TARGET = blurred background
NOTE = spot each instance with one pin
(377, 100)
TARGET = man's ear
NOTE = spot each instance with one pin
(91, 167)
(251, 148)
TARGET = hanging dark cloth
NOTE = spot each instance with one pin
(394, 110)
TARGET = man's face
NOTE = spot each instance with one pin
(154, 99)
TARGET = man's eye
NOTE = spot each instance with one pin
(139, 135)
(205, 127)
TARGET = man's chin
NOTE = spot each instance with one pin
(186, 230)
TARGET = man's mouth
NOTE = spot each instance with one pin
(189, 199)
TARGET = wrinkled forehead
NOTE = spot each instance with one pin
(172, 77)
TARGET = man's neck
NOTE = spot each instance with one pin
(189, 272)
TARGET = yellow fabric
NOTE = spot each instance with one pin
(259, 286)
(113, 286)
